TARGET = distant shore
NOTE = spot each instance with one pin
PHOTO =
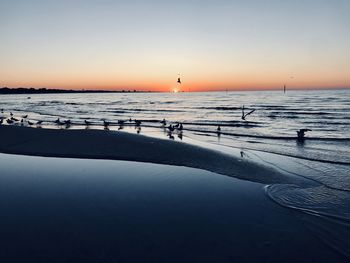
(6, 90)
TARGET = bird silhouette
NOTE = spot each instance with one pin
(137, 123)
(244, 115)
(105, 123)
(301, 134)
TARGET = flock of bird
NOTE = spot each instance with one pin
(172, 127)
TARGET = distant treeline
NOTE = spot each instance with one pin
(6, 90)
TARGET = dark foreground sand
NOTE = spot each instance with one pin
(76, 210)
(97, 144)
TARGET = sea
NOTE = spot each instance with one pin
(272, 127)
(269, 133)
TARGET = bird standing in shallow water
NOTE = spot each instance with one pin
(301, 134)
(105, 124)
(138, 123)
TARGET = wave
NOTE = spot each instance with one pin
(326, 211)
(219, 108)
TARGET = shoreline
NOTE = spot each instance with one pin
(117, 145)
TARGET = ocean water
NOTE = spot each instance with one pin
(272, 127)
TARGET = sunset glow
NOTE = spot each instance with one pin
(233, 45)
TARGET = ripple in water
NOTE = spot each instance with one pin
(325, 211)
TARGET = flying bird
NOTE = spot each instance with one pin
(244, 115)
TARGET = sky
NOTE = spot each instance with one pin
(144, 45)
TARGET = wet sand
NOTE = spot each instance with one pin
(80, 210)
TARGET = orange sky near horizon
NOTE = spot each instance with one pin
(213, 45)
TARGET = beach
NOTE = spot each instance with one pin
(174, 131)
(155, 200)
(81, 210)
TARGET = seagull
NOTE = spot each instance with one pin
(25, 116)
(163, 122)
(87, 123)
(138, 122)
(30, 123)
(39, 122)
(218, 129)
(181, 127)
(121, 122)
(14, 119)
(301, 134)
(105, 124)
(67, 122)
(58, 121)
(11, 114)
(245, 115)
(171, 128)
(9, 121)
(1, 121)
